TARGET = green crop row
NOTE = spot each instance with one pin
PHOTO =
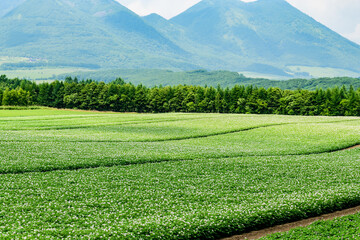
(140, 127)
(72, 175)
(200, 199)
(22, 156)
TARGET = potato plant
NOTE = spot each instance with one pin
(67, 174)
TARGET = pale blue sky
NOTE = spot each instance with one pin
(342, 16)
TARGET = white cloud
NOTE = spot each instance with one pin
(354, 36)
(341, 16)
(165, 8)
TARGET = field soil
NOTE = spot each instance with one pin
(357, 146)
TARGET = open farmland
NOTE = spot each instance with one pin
(76, 174)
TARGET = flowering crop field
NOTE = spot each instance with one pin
(74, 174)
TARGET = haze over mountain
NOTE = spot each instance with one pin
(270, 32)
(265, 36)
(90, 33)
(8, 5)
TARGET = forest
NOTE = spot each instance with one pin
(120, 96)
(157, 77)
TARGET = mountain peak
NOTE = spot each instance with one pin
(154, 17)
(265, 30)
(86, 33)
(263, 35)
(38, 7)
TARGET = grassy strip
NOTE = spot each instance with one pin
(340, 228)
(202, 199)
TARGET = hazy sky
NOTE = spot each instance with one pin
(342, 16)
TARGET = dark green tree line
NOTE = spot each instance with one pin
(125, 97)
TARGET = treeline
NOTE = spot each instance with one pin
(211, 78)
(125, 97)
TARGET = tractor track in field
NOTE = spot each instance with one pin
(289, 226)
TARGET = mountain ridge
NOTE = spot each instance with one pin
(264, 36)
(99, 32)
(275, 40)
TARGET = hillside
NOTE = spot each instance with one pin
(8, 5)
(265, 36)
(86, 33)
(268, 34)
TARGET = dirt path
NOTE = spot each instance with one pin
(289, 226)
(353, 147)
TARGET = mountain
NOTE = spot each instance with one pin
(267, 34)
(264, 36)
(89, 33)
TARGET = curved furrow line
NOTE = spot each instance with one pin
(154, 121)
(155, 140)
(147, 121)
(160, 160)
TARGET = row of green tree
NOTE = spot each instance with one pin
(125, 97)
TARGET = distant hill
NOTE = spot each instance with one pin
(265, 36)
(156, 77)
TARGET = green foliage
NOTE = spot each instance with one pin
(340, 228)
(221, 179)
(119, 96)
(202, 199)
(16, 97)
(153, 77)
(132, 138)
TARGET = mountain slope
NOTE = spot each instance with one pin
(266, 32)
(86, 33)
(8, 5)
(265, 36)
